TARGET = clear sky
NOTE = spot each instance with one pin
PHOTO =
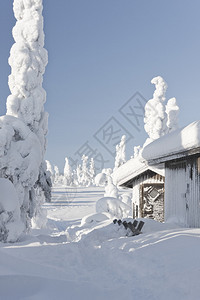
(100, 54)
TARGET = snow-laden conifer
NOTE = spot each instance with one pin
(120, 157)
(68, 177)
(172, 111)
(57, 176)
(155, 119)
(50, 169)
(28, 60)
(92, 170)
(78, 174)
(85, 176)
(20, 160)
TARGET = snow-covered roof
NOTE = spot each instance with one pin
(181, 142)
(132, 168)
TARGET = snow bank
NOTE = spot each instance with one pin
(95, 218)
(176, 142)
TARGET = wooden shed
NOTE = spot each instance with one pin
(180, 152)
(147, 184)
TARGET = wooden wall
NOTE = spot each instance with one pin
(182, 191)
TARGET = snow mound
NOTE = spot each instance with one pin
(113, 206)
(99, 217)
(175, 142)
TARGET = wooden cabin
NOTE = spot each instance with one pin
(147, 184)
(180, 153)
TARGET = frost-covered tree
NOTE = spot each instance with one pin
(172, 111)
(28, 60)
(85, 176)
(92, 170)
(68, 176)
(20, 160)
(78, 174)
(120, 157)
(155, 120)
(45, 184)
(57, 176)
(110, 189)
(160, 119)
(23, 130)
(50, 169)
(137, 151)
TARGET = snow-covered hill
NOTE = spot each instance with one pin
(97, 260)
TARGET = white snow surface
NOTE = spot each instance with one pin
(176, 142)
(8, 196)
(134, 167)
(96, 260)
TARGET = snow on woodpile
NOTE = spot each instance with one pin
(133, 168)
(176, 142)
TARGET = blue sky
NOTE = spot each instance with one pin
(100, 54)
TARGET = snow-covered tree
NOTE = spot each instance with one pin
(107, 171)
(50, 169)
(57, 176)
(160, 119)
(11, 225)
(68, 176)
(85, 176)
(110, 189)
(28, 60)
(20, 160)
(155, 119)
(23, 130)
(78, 174)
(120, 157)
(45, 184)
(92, 170)
(137, 151)
(172, 111)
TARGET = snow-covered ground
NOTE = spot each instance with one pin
(98, 260)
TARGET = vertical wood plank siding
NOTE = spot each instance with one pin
(182, 192)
